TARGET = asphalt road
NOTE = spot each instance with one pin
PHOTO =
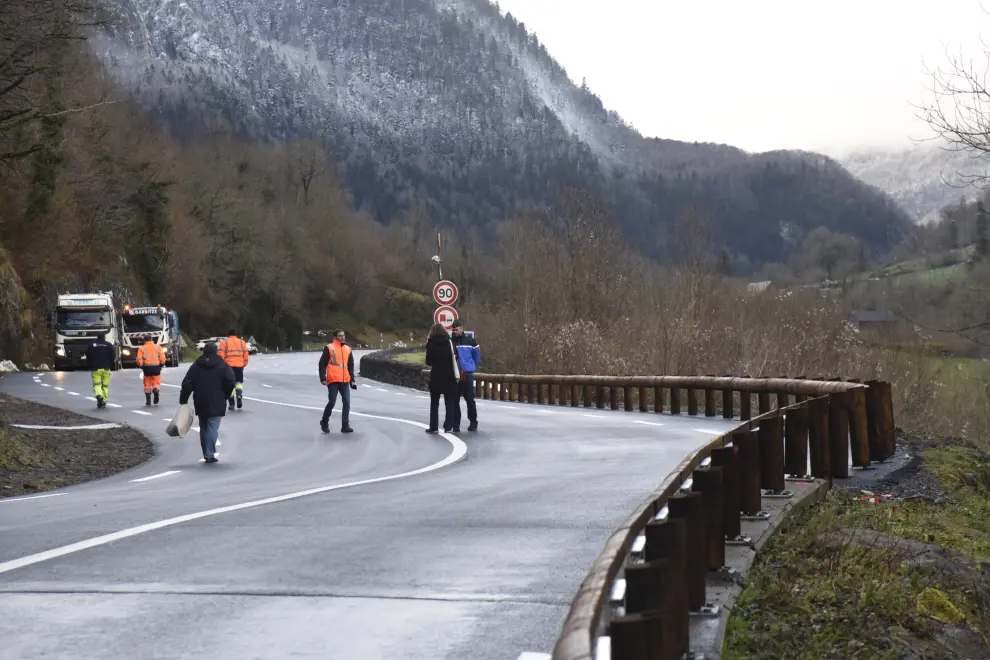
(384, 543)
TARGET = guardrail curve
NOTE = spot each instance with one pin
(668, 545)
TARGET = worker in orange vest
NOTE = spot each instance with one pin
(151, 359)
(337, 374)
(234, 351)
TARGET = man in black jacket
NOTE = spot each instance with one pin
(211, 381)
(100, 357)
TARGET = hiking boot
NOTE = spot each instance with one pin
(240, 402)
(99, 401)
(147, 399)
(457, 429)
(212, 459)
(347, 429)
(473, 426)
(325, 427)
(230, 403)
(432, 431)
(156, 397)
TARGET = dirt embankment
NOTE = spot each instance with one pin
(35, 460)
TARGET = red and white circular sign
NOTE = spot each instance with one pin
(445, 315)
(445, 292)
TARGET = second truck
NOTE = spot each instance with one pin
(143, 323)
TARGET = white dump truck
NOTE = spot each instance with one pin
(78, 319)
(143, 323)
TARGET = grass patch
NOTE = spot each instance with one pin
(412, 358)
(15, 454)
(848, 579)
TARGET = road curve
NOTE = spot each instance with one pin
(378, 544)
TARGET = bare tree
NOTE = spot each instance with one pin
(36, 37)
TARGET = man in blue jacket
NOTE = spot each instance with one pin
(470, 356)
(100, 358)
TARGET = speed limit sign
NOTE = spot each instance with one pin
(445, 292)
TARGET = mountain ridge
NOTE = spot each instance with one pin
(450, 104)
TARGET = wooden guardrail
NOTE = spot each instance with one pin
(641, 591)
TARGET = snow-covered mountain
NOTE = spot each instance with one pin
(453, 105)
(921, 179)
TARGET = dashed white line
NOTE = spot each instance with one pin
(30, 497)
(716, 432)
(44, 384)
(60, 389)
(268, 386)
(74, 393)
(91, 398)
(141, 412)
(381, 389)
(114, 405)
(639, 421)
(155, 476)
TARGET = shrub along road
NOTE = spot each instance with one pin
(473, 559)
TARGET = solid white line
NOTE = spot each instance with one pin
(67, 428)
(457, 454)
(155, 476)
(31, 497)
(639, 421)
(141, 412)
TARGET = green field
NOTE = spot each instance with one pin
(412, 358)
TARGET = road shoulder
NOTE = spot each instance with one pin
(37, 460)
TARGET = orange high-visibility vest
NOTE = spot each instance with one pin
(337, 366)
(150, 355)
(234, 351)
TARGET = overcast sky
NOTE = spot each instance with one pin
(763, 74)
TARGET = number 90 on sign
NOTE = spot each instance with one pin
(445, 292)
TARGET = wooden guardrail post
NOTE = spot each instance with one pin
(750, 496)
(838, 431)
(690, 507)
(589, 395)
(613, 397)
(644, 399)
(728, 402)
(771, 440)
(859, 430)
(627, 398)
(727, 458)
(488, 389)
(763, 403)
(887, 419)
(692, 401)
(576, 395)
(745, 404)
(675, 401)
(708, 481)
(818, 439)
(710, 400)
(666, 542)
(479, 389)
(658, 399)
(796, 442)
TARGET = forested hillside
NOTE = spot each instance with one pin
(448, 104)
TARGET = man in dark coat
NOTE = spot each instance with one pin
(101, 356)
(210, 381)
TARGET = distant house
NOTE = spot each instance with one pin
(757, 287)
(873, 319)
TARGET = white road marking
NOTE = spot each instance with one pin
(68, 428)
(533, 655)
(457, 454)
(400, 394)
(45, 385)
(381, 389)
(155, 476)
(30, 497)
(113, 405)
(195, 428)
(639, 421)
(268, 386)
(716, 432)
(141, 412)
(60, 389)
(91, 398)
(74, 393)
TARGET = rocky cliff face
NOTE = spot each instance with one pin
(451, 105)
